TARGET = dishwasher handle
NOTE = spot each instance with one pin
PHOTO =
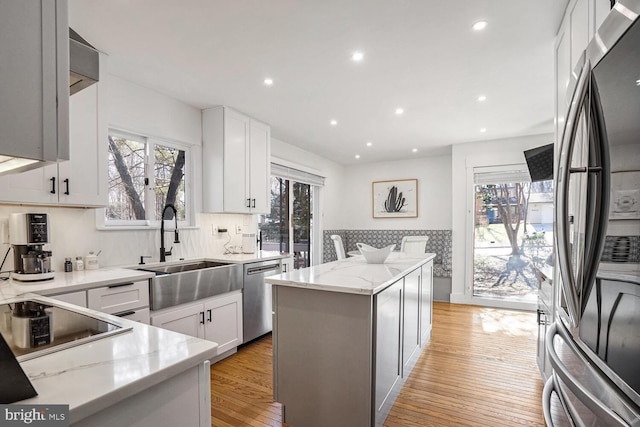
(263, 269)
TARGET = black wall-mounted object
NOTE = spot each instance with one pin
(540, 163)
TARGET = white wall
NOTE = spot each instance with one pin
(334, 173)
(464, 158)
(353, 200)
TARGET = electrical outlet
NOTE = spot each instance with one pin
(238, 229)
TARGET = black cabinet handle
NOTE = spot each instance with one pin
(120, 285)
(248, 203)
(209, 313)
(202, 317)
(253, 204)
(66, 182)
(53, 185)
(125, 313)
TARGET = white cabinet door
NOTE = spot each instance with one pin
(579, 22)
(82, 180)
(286, 264)
(259, 167)
(223, 317)
(38, 186)
(236, 164)
(601, 10)
(187, 319)
(236, 174)
(120, 297)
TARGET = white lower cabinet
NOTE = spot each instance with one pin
(217, 319)
(129, 300)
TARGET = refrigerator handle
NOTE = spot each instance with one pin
(562, 189)
(604, 413)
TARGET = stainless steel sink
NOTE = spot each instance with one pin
(182, 283)
(179, 268)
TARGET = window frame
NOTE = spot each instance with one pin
(150, 142)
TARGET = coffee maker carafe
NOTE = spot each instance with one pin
(27, 234)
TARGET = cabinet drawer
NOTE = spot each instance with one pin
(118, 298)
(77, 298)
(140, 315)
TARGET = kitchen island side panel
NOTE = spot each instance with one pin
(322, 357)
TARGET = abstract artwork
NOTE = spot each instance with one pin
(395, 199)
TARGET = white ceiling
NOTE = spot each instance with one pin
(421, 55)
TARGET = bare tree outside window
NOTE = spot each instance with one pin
(129, 180)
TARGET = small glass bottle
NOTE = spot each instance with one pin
(67, 265)
(79, 263)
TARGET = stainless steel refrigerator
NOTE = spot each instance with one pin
(594, 344)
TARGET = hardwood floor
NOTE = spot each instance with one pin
(478, 370)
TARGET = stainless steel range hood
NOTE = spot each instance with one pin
(84, 63)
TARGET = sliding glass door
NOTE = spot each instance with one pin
(288, 227)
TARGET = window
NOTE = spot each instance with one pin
(145, 175)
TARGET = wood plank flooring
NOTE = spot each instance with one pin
(478, 370)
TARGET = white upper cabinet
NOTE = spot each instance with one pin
(235, 169)
(579, 22)
(82, 180)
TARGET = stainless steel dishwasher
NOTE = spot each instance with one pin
(256, 301)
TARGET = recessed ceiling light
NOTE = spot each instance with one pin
(369, 144)
(268, 81)
(357, 156)
(480, 25)
(399, 111)
(483, 130)
(415, 150)
(333, 122)
(482, 98)
(357, 56)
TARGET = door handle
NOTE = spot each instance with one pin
(248, 203)
(202, 317)
(209, 313)
(253, 203)
(562, 201)
(66, 182)
(53, 184)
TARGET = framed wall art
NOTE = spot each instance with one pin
(395, 199)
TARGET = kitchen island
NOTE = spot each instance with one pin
(346, 335)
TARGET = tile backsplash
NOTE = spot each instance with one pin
(73, 233)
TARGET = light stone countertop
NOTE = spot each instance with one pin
(88, 279)
(353, 275)
(93, 376)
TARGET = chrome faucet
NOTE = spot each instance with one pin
(163, 253)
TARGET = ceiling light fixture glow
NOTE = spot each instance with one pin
(333, 122)
(415, 150)
(399, 111)
(357, 156)
(369, 144)
(483, 130)
(482, 98)
(357, 56)
(480, 25)
(268, 81)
